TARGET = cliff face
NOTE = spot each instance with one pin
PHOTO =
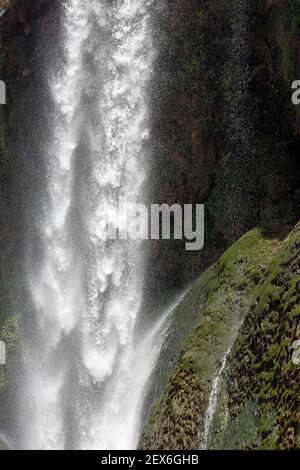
(259, 403)
(251, 317)
(230, 84)
(225, 132)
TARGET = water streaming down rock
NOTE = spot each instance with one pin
(86, 365)
(213, 401)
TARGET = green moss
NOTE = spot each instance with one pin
(241, 431)
(266, 375)
(226, 293)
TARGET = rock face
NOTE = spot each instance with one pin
(259, 403)
(225, 132)
(229, 76)
(251, 308)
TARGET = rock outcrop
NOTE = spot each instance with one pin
(249, 309)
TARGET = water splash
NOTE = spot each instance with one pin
(6, 442)
(86, 363)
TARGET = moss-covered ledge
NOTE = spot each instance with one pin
(177, 419)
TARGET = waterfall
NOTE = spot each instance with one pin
(86, 361)
(213, 401)
(5, 442)
(217, 385)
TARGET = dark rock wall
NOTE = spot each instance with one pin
(225, 132)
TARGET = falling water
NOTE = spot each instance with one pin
(86, 363)
(217, 384)
(213, 401)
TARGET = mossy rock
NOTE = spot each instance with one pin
(222, 297)
(269, 374)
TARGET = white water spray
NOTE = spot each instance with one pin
(86, 365)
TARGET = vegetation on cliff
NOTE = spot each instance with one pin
(259, 406)
(244, 310)
(230, 85)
